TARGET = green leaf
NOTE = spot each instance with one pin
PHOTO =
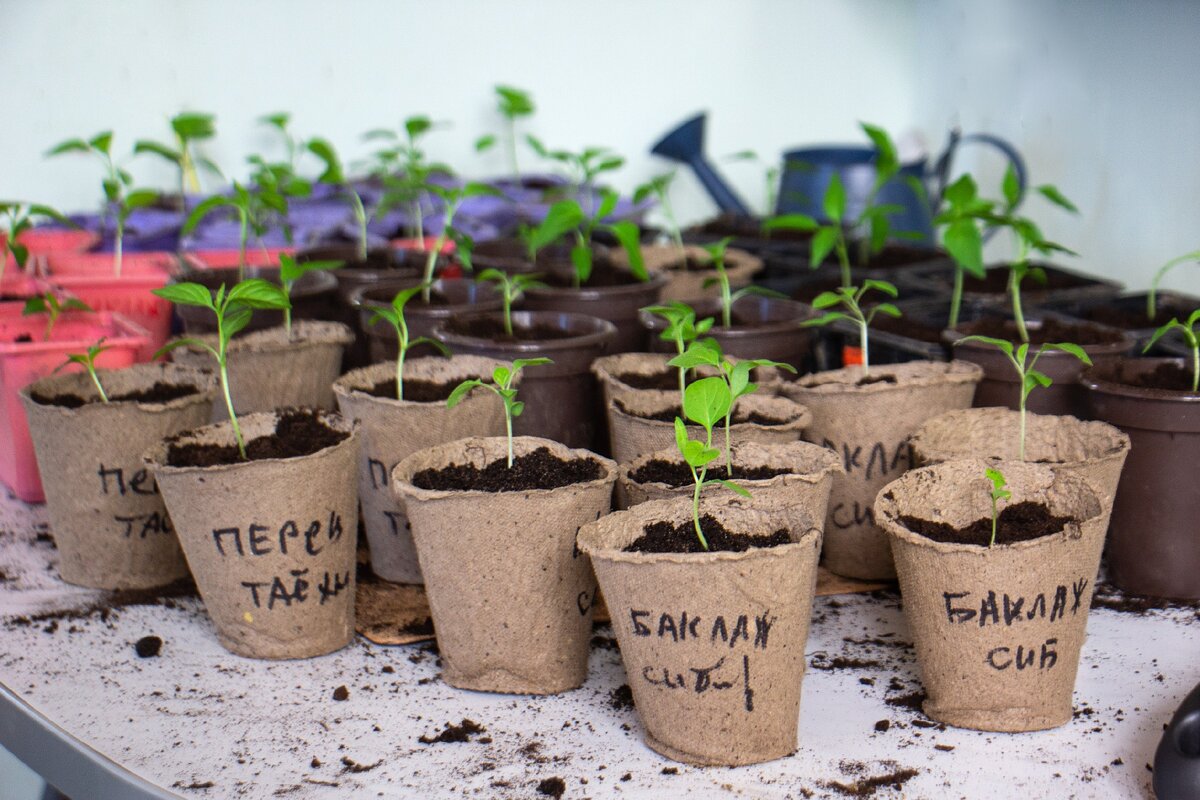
(194, 125)
(69, 146)
(485, 143)
(826, 300)
(887, 309)
(522, 363)
(707, 401)
(323, 149)
(964, 243)
(835, 199)
(140, 198)
(71, 304)
(734, 487)
(461, 391)
(996, 477)
(794, 222)
(401, 298)
(681, 436)
(417, 125)
(34, 305)
(203, 210)
(739, 379)
(177, 343)
(186, 294)
(832, 316)
(279, 119)
(1033, 377)
(562, 218)
(102, 142)
(881, 286)
(581, 257)
(887, 163)
(1000, 344)
(698, 455)
(629, 235)
(513, 102)
(1073, 349)
(1052, 194)
(1011, 187)
(146, 146)
(608, 202)
(822, 244)
(434, 343)
(697, 355)
(515, 409)
(961, 192)
(258, 293)
(235, 322)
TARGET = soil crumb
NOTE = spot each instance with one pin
(552, 787)
(148, 647)
(462, 732)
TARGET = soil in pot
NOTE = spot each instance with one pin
(678, 473)
(1048, 330)
(160, 392)
(539, 469)
(1021, 522)
(298, 432)
(666, 537)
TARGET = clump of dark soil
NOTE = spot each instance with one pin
(341, 694)
(158, 393)
(664, 537)
(621, 697)
(418, 627)
(1050, 330)
(540, 469)
(148, 646)
(462, 732)
(163, 596)
(552, 787)
(420, 391)
(678, 473)
(350, 765)
(867, 787)
(492, 327)
(1020, 522)
(1109, 597)
(913, 701)
(844, 662)
(298, 432)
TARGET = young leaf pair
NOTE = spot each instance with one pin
(503, 385)
(52, 307)
(567, 218)
(1188, 331)
(18, 218)
(513, 104)
(850, 298)
(394, 315)
(716, 255)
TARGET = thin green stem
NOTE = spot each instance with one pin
(726, 296)
(728, 448)
(507, 295)
(418, 221)
(402, 343)
(699, 482)
(866, 358)
(233, 420)
(682, 371)
(1195, 366)
(118, 245)
(508, 429)
(843, 256)
(96, 380)
(993, 540)
(360, 216)
(243, 239)
(1014, 288)
(956, 297)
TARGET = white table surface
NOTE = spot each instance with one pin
(197, 716)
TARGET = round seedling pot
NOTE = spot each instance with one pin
(271, 542)
(997, 629)
(636, 372)
(510, 596)
(269, 370)
(618, 304)
(449, 298)
(644, 422)
(713, 642)
(688, 271)
(314, 296)
(395, 429)
(108, 518)
(560, 398)
(1152, 545)
(868, 425)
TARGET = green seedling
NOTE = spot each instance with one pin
(394, 315)
(452, 200)
(659, 188)
(850, 298)
(716, 253)
(566, 217)
(1027, 375)
(405, 170)
(1152, 295)
(233, 310)
(770, 177)
(513, 104)
(682, 329)
(706, 403)
(503, 379)
(998, 493)
(280, 121)
(88, 361)
(582, 168)
(961, 227)
(53, 308)
(334, 175)
(1188, 331)
(189, 127)
(15, 219)
(290, 271)
(511, 288)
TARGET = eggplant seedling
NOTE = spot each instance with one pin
(716, 254)
(1152, 295)
(511, 288)
(1188, 331)
(659, 188)
(513, 104)
(706, 402)
(88, 362)
(503, 379)
(15, 219)
(233, 309)
(850, 298)
(998, 493)
(682, 329)
(1027, 375)
(189, 127)
(53, 308)
(394, 314)
(290, 271)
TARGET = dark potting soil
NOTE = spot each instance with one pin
(744, 227)
(341, 694)
(158, 393)
(1020, 522)
(1170, 377)
(868, 380)
(540, 469)
(298, 432)
(677, 473)
(420, 391)
(868, 786)
(1051, 330)
(663, 537)
(692, 264)
(493, 328)
(664, 381)
(1128, 319)
(996, 281)
(669, 415)
(450, 733)
(552, 787)
(621, 697)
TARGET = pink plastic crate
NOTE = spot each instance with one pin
(22, 363)
(228, 259)
(43, 241)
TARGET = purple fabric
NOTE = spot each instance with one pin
(216, 234)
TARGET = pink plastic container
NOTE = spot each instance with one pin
(228, 259)
(43, 241)
(22, 363)
(16, 288)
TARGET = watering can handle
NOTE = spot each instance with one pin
(945, 161)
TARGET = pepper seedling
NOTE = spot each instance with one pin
(513, 104)
(998, 493)
(334, 175)
(581, 168)
(682, 329)
(851, 299)
(706, 402)
(770, 177)
(280, 120)
(394, 314)
(452, 200)
(16, 218)
(716, 253)
(233, 309)
(567, 217)
(1027, 376)
(1188, 330)
(511, 288)
(1152, 294)
(660, 189)
(405, 170)
(53, 308)
(88, 361)
(189, 127)
(291, 271)
(961, 227)
(502, 384)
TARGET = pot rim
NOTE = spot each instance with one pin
(257, 341)
(712, 307)
(353, 383)
(943, 372)
(601, 293)
(202, 380)
(1082, 427)
(360, 301)
(600, 334)
(1094, 379)
(951, 335)
(800, 416)
(832, 466)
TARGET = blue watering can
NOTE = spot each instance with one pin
(807, 171)
(1177, 761)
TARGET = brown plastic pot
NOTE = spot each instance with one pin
(1153, 548)
(313, 297)
(560, 398)
(462, 297)
(619, 305)
(775, 330)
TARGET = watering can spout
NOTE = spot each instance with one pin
(685, 144)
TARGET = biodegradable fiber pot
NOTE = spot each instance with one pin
(868, 425)
(713, 643)
(270, 542)
(997, 630)
(1153, 548)
(634, 433)
(1094, 451)
(636, 372)
(510, 597)
(267, 370)
(688, 284)
(107, 515)
(394, 429)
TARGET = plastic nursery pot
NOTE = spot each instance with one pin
(90, 278)
(43, 241)
(686, 283)
(108, 518)
(510, 596)
(560, 398)
(395, 429)
(270, 542)
(1128, 313)
(868, 425)
(17, 287)
(25, 357)
(314, 296)
(1062, 284)
(269, 370)
(1095, 451)
(763, 327)
(619, 305)
(997, 629)
(747, 234)
(449, 298)
(713, 643)
(644, 422)
(1001, 386)
(635, 372)
(805, 476)
(1152, 545)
